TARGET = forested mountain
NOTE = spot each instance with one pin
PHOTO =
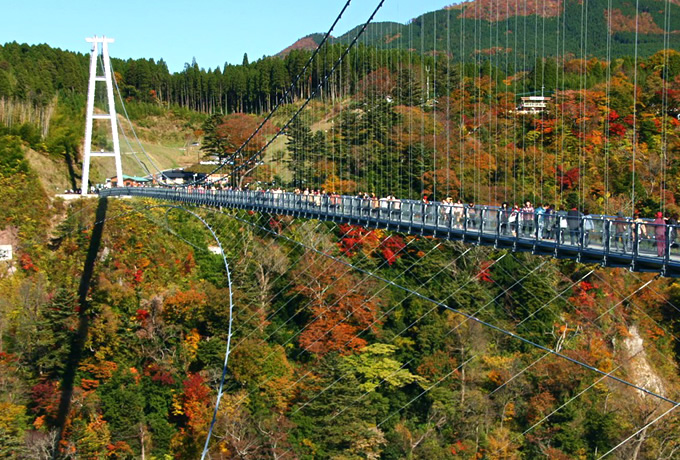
(525, 30)
(508, 40)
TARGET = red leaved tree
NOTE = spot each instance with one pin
(233, 133)
(340, 306)
(192, 406)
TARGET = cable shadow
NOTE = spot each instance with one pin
(78, 342)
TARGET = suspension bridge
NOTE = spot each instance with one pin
(457, 165)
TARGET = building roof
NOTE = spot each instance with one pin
(133, 178)
(175, 174)
(182, 174)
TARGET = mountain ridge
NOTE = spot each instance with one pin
(467, 29)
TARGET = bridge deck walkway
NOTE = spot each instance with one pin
(593, 239)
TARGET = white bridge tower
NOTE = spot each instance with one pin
(111, 115)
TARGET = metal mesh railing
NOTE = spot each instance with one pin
(605, 239)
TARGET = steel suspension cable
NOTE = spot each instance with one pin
(607, 126)
(543, 129)
(367, 277)
(664, 104)
(500, 329)
(564, 62)
(134, 133)
(635, 97)
(313, 93)
(507, 170)
(514, 119)
(425, 78)
(461, 110)
(312, 263)
(449, 62)
(583, 158)
(290, 89)
(434, 107)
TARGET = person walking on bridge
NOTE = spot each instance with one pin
(639, 228)
(574, 224)
(621, 231)
(471, 216)
(539, 214)
(504, 217)
(424, 207)
(527, 219)
(458, 212)
(671, 230)
(514, 219)
(660, 234)
(550, 221)
(588, 227)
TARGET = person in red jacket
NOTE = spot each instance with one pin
(660, 234)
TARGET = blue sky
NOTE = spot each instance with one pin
(212, 31)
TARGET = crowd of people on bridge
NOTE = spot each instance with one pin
(542, 222)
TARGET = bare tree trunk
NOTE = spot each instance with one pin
(264, 295)
(141, 440)
(638, 445)
(244, 175)
(462, 376)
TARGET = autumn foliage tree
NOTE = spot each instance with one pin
(339, 305)
(192, 407)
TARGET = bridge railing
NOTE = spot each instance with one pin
(604, 239)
